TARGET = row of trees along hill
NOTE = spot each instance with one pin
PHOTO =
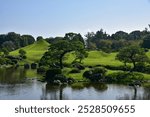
(108, 43)
(99, 40)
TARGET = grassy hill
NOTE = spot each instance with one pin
(97, 58)
(34, 51)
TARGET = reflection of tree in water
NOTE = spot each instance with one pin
(12, 75)
(82, 85)
(145, 95)
(53, 92)
(56, 92)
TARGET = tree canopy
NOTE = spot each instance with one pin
(55, 55)
(132, 54)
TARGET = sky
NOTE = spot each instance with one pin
(50, 18)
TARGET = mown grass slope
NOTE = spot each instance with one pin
(97, 58)
(34, 51)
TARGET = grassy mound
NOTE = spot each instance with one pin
(34, 51)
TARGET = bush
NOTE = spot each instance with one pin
(147, 69)
(95, 74)
(124, 68)
(26, 66)
(41, 70)
(33, 66)
(75, 70)
(124, 77)
(78, 65)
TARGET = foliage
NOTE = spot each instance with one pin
(124, 77)
(146, 42)
(75, 70)
(33, 65)
(41, 70)
(12, 41)
(22, 54)
(55, 55)
(132, 54)
(51, 74)
(95, 74)
(39, 38)
(80, 55)
(26, 66)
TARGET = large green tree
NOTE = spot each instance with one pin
(132, 54)
(58, 50)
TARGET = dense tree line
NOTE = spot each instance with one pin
(12, 41)
(103, 41)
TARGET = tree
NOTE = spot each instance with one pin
(5, 51)
(120, 35)
(74, 37)
(39, 38)
(80, 55)
(58, 50)
(22, 53)
(132, 54)
(26, 40)
(146, 42)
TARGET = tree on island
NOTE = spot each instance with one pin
(132, 54)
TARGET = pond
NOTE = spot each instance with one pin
(15, 85)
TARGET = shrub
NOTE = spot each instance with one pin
(124, 68)
(95, 74)
(41, 70)
(26, 66)
(75, 70)
(33, 66)
(147, 69)
(124, 77)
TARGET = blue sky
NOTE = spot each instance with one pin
(57, 17)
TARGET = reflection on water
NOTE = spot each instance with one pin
(15, 85)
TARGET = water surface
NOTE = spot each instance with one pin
(15, 85)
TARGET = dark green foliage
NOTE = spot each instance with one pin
(55, 55)
(13, 41)
(41, 70)
(95, 74)
(33, 65)
(26, 40)
(22, 54)
(9, 60)
(5, 51)
(146, 42)
(124, 68)
(75, 70)
(132, 54)
(74, 37)
(26, 66)
(39, 38)
(124, 77)
(120, 35)
(51, 74)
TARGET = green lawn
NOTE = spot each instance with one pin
(96, 58)
(34, 51)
